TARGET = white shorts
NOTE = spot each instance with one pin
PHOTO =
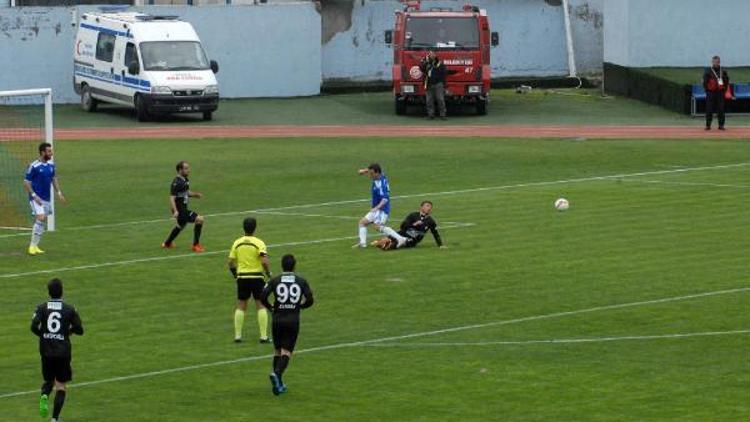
(378, 217)
(44, 209)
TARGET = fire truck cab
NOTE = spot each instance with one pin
(461, 39)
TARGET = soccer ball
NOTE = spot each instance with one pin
(562, 204)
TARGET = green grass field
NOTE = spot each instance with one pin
(541, 107)
(655, 244)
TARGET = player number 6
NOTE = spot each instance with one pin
(53, 322)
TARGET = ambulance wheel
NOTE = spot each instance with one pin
(400, 106)
(482, 107)
(88, 102)
(141, 112)
(208, 115)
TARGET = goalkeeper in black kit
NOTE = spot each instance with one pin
(291, 294)
(413, 229)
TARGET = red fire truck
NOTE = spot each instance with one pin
(461, 39)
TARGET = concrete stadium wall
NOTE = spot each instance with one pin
(532, 34)
(37, 47)
(681, 33)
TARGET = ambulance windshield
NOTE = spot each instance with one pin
(436, 32)
(173, 55)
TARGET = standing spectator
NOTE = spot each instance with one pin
(716, 83)
(434, 83)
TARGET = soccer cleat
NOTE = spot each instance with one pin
(238, 340)
(283, 389)
(43, 406)
(198, 248)
(264, 340)
(166, 245)
(359, 246)
(275, 384)
(34, 250)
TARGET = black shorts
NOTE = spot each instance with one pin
(56, 368)
(285, 329)
(250, 287)
(186, 216)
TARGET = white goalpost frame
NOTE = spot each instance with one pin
(48, 133)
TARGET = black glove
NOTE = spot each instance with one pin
(233, 271)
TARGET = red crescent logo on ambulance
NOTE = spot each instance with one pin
(415, 72)
(78, 47)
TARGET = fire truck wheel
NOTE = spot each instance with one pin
(207, 116)
(400, 106)
(482, 107)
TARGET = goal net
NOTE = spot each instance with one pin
(25, 122)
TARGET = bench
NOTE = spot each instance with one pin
(697, 94)
(741, 93)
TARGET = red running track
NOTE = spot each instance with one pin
(437, 130)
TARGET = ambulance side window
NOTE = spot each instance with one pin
(131, 54)
(105, 47)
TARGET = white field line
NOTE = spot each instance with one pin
(699, 184)
(189, 255)
(395, 338)
(420, 195)
(565, 340)
(27, 229)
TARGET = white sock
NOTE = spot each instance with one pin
(392, 233)
(363, 235)
(36, 232)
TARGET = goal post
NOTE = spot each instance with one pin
(25, 122)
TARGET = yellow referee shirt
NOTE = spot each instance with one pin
(247, 251)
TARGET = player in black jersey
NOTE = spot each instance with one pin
(413, 229)
(291, 293)
(178, 201)
(53, 323)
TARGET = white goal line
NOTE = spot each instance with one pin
(335, 346)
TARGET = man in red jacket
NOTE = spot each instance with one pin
(716, 83)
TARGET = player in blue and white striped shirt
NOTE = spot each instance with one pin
(38, 183)
(381, 204)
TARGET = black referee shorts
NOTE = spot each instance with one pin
(285, 329)
(250, 287)
(186, 216)
(56, 368)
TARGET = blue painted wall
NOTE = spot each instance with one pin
(37, 43)
(532, 37)
(281, 50)
(645, 33)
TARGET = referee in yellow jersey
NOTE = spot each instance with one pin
(248, 263)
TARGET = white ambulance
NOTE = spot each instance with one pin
(153, 63)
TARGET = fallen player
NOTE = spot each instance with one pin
(412, 231)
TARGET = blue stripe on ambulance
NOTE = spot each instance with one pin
(113, 78)
(107, 30)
